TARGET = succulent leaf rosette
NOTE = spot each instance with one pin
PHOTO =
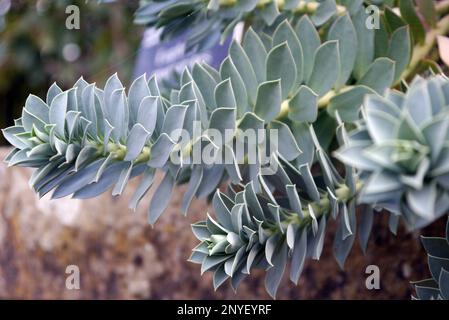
(401, 148)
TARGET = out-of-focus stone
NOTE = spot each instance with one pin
(120, 256)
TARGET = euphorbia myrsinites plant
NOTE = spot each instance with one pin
(317, 114)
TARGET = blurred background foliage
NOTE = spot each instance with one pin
(36, 48)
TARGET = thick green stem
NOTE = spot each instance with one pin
(421, 51)
(118, 152)
(343, 193)
(227, 3)
(303, 7)
(322, 102)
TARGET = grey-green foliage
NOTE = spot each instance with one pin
(279, 219)
(401, 146)
(437, 287)
(213, 20)
(312, 70)
(86, 140)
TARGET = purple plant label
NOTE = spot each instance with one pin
(162, 59)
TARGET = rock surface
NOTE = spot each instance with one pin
(121, 257)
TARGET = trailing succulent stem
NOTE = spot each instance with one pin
(263, 231)
(436, 287)
(311, 72)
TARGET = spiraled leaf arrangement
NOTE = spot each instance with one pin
(86, 140)
(114, 137)
(437, 287)
(305, 79)
(285, 220)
